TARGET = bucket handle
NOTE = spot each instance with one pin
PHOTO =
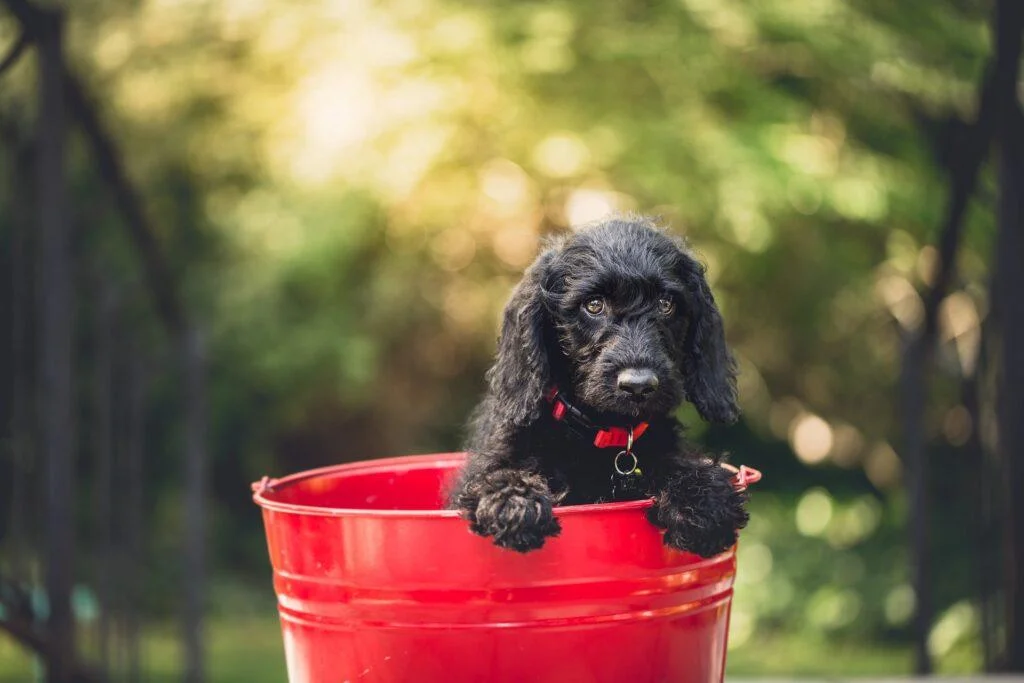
(263, 485)
(743, 476)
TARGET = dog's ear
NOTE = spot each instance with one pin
(521, 371)
(709, 368)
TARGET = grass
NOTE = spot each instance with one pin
(249, 650)
(239, 651)
(789, 656)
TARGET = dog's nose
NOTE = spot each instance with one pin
(638, 382)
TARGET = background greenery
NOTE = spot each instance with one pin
(349, 189)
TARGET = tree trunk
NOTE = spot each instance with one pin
(103, 444)
(914, 391)
(135, 454)
(1009, 309)
(55, 337)
(193, 357)
(22, 361)
(1010, 399)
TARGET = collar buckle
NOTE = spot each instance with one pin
(575, 420)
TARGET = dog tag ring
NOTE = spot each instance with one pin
(620, 463)
(625, 463)
(627, 481)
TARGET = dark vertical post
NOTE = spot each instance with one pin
(914, 389)
(193, 357)
(984, 499)
(1008, 286)
(134, 454)
(103, 444)
(55, 332)
(22, 393)
(1010, 397)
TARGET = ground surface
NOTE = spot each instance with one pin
(248, 650)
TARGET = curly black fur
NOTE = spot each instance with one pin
(659, 315)
(515, 508)
(698, 509)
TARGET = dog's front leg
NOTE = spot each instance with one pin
(699, 509)
(512, 506)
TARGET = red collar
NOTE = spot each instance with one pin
(605, 437)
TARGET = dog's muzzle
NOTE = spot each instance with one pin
(639, 382)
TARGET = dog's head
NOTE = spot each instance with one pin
(620, 316)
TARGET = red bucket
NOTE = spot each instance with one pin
(376, 583)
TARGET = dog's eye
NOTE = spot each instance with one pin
(594, 306)
(666, 306)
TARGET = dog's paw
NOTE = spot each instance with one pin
(700, 511)
(516, 510)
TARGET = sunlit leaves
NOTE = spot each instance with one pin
(376, 175)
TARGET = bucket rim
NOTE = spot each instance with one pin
(405, 462)
(743, 477)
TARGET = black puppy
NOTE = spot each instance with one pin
(610, 329)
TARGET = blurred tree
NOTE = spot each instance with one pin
(61, 94)
(964, 157)
(349, 191)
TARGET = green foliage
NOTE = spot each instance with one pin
(349, 190)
